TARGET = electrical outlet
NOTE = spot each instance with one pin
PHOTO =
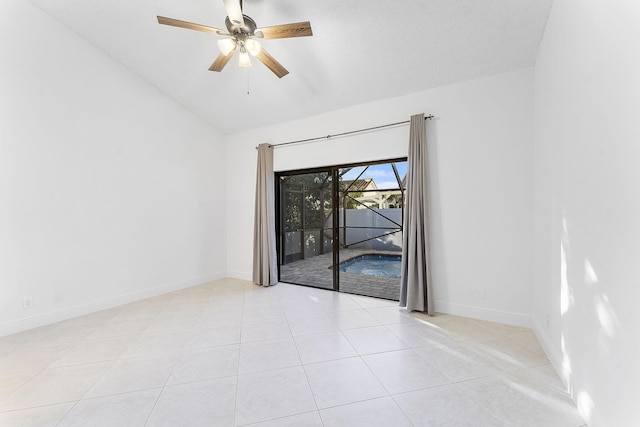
(27, 303)
(482, 294)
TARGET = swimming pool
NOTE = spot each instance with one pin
(374, 265)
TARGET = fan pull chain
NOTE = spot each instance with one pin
(248, 91)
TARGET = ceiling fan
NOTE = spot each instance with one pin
(241, 35)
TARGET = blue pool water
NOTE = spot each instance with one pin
(374, 265)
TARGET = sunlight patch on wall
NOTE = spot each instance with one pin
(606, 315)
(590, 277)
(585, 405)
(566, 362)
(566, 299)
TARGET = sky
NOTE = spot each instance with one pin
(382, 174)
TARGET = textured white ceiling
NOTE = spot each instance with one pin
(361, 50)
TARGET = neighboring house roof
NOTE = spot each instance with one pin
(359, 184)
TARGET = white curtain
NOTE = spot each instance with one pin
(415, 281)
(265, 263)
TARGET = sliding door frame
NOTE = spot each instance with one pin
(333, 171)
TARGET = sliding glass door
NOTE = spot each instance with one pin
(306, 228)
(371, 201)
(341, 227)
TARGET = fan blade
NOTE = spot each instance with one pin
(268, 60)
(190, 25)
(299, 29)
(234, 11)
(221, 61)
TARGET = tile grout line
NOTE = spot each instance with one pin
(146, 421)
(235, 400)
(523, 372)
(315, 402)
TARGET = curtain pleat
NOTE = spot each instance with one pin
(415, 281)
(265, 264)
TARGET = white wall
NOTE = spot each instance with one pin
(109, 190)
(587, 198)
(480, 147)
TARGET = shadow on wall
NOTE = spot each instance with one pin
(392, 242)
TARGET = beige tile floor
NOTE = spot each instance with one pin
(230, 353)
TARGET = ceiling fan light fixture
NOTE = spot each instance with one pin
(241, 31)
(226, 46)
(253, 46)
(243, 59)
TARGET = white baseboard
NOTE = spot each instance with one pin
(552, 353)
(517, 319)
(242, 275)
(555, 357)
(50, 317)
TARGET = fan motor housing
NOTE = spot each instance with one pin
(247, 29)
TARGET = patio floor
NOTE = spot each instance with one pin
(316, 271)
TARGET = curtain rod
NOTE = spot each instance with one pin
(430, 116)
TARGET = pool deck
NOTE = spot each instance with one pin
(316, 271)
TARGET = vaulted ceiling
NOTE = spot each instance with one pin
(361, 50)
